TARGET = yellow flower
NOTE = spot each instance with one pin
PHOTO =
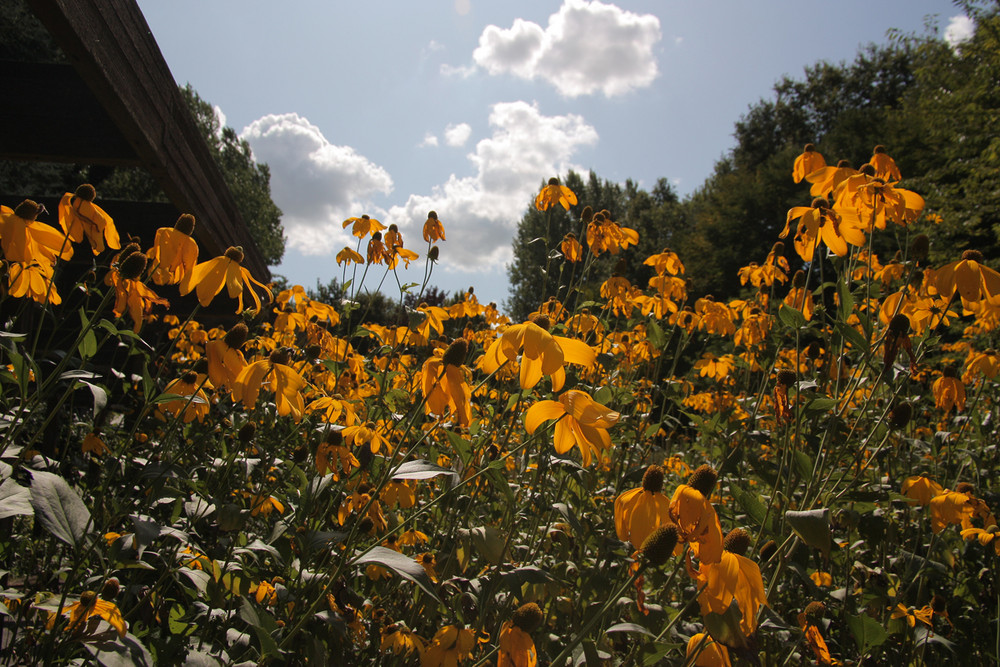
(885, 166)
(79, 216)
(541, 353)
(401, 640)
(225, 361)
(912, 615)
(427, 561)
(921, 490)
(444, 384)
(553, 194)
(571, 249)
(347, 256)
(639, 512)
(332, 456)
(695, 517)
(517, 649)
(282, 379)
(582, 422)
(33, 280)
(363, 434)
(806, 163)
(264, 593)
(131, 294)
(969, 276)
(819, 222)
(363, 226)
(733, 577)
(92, 443)
(174, 253)
(717, 368)
(450, 646)
(710, 652)
(82, 612)
(822, 579)
(433, 229)
(984, 537)
(265, 505)
(225, 270)
(192, 400)
(951, 507)
(949, 392)
(665, 262)
(26, 240)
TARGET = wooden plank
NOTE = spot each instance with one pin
(111, 46)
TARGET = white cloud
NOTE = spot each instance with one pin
(434, 45)
(587, 47)
(220, 117)
(480, 212)
(461, 71)
(960, 29)
(315, 183)
(457, 135)
(429, 141)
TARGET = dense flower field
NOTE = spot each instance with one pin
(804, 475)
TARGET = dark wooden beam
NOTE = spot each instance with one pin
(110, 45)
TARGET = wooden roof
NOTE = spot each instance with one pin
(118, 104)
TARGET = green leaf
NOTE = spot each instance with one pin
(812, 526)
(461, 446)
(405, 567)
(129, 652)
(791, 317)
(58, 507)
(868, 633)
(852, 336)
(100, 396)
(655, 335)
(749, 503)
(846, 300)
(489, 543)
(630, 627)
(803, 464)
(14, 499)
(420, 470)
(88, 346)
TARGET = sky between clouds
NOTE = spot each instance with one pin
(397, 108)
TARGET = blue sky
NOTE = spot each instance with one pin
(394, 108)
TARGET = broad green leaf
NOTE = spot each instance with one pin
(852, 336)
(59, 508)
(630, 627)
(812, 526)
(129, 652)
(14, 499)
(791, 317)
(868, 633)
(749, 503)
(420, 470)
(402, 565)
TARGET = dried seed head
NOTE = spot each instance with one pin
(393, 228)
(899, 325)
(808, 148)
(844, 164)
(333, 437)
(919, 247)
(185, 224)
(366, 525)
(703, 479)
(28, 210)
(234, 253)
(587, 215)
(737, 541)
(965, 487)
(432, 215)
(132, 266)
(527, 617)
(878, 149)
(189, 377)
(814, 350)
(88, 599)
(110, 589)
(820, 202)
(553, 181)
(659, 545)
(814, 611)
(541, 321)
(973, 256)
(313, 351)
(778, 248)
(247, 432)
(916, 279)
(236, 336)
(652, 480)
(456, 353)
(868, 170)
(767, 550)
(86, 192)
(950, 371)
(281, 356)
(786, 377)
(939, 604)
(799, 279)
(900, 415)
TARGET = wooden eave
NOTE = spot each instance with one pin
(116, 60)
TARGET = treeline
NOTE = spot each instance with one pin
(935, 108)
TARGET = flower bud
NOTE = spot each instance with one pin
(737, 541)
(236, 336)
(527, 617)
(86, 192)
(28, 210)
(659, 545)
(652, 481)
(185, 224)
(703, 479)
(235, 253)
(456, 353)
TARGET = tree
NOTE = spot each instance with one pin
(249, 181)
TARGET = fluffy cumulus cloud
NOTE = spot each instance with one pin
(457, 135)
(480, 212)
(587, 47)
(315, 183)
(960, 29)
